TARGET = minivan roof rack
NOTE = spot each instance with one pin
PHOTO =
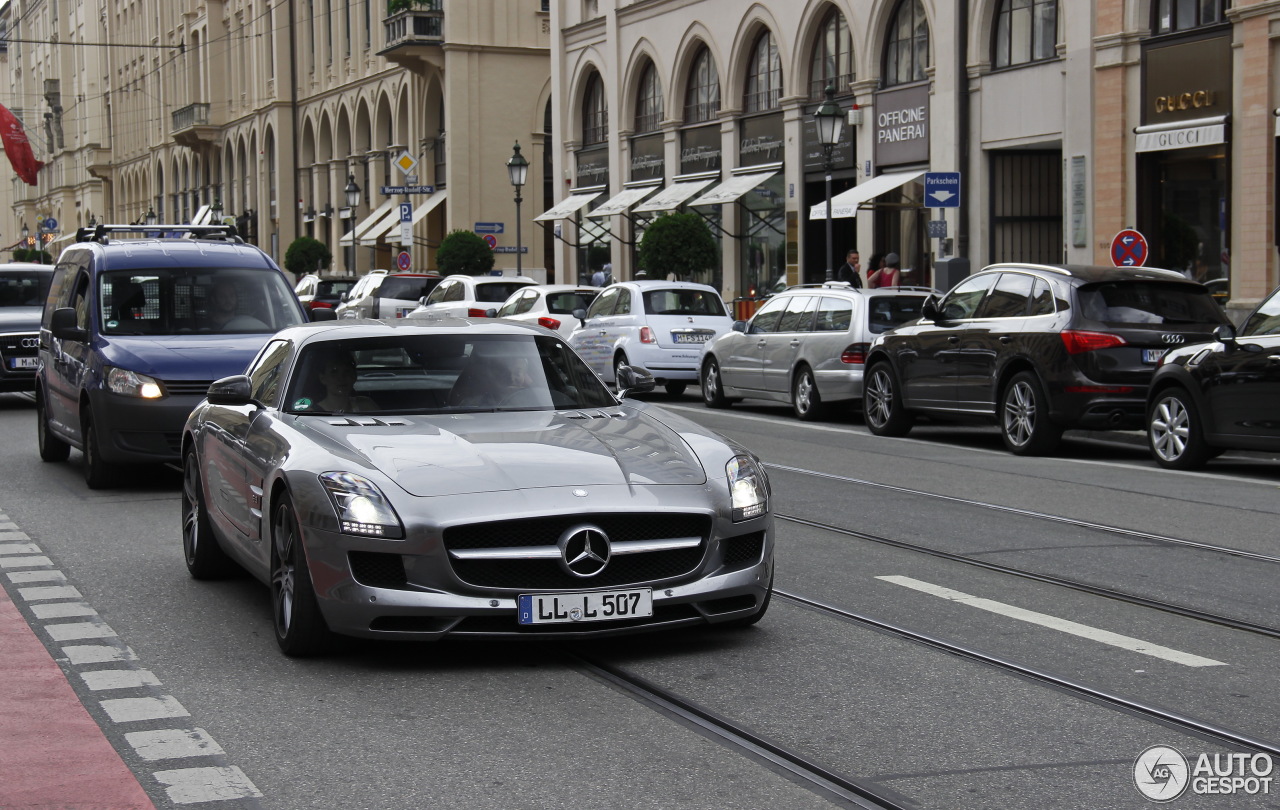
(102, 233)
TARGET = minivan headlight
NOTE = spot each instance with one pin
(132, 384)
(748, 488)
(362, 508)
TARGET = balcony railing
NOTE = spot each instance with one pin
(192, 115)
(420, 25)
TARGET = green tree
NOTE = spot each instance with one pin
(464, 252)
(678, 243)
(307, 255)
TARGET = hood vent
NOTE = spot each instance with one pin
(365, 421)
(593, 415)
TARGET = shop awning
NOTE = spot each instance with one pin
(621, 201)
(845, 204)
(363, 225)
(733, 188)
(391, 221)
(672, 196)
(568, 206)
(202, 216)
(1181, 134)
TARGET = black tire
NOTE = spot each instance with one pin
(805, 399)
(882, 403)
(618, 362)
(675, 389)
(1025, 424)
(1175, 432)
(205, 558)
(300, 629)
(98, 474)
(51, 447)
(712, 389)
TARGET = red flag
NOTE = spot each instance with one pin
(17, 147)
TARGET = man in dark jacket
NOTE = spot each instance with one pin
(851, 271)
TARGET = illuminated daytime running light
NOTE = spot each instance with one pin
(748, 488)
(361, 507)
(132, 384)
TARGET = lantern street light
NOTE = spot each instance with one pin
(353, 193)
(216, 211)
(829, 120)
(518, 169)
(353, 201)
(25, 230)
(151, 215)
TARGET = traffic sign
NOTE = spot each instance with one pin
(406, 162)
(489, 227)
(491, 240)
(406, 234)
(1129, 249)
(511, 249)
(942, 189)
(403, 261)
(406, 212)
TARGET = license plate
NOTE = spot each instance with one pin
(1152, 355)
(24, 362)
(681, 337)
(590, 606)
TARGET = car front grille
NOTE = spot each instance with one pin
(187, 387)
(19, 345)
(547, 574)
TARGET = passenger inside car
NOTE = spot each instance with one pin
(335, 374)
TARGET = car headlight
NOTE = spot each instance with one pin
(748, 488)
(132, 384)
(361, 506)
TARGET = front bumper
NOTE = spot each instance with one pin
(134, 430)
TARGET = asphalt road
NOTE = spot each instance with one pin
(528, 726)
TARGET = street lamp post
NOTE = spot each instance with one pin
(151, 215)
(353, 202)
(518, 169)
(829, 119)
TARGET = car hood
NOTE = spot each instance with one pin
(20, 319)
(460, 454)
(182, 357)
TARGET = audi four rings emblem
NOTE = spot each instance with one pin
(1174, 338)
(584, 550)
(31, 343)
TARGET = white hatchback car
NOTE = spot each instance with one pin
(659, 326)
(549, 305)
(461, 296)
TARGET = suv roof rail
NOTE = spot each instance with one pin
(102, 233)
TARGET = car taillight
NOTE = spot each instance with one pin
(1078, 342)
(855, 354)
(477, 313)
(549, 323)
(646, 335)
(321, 305)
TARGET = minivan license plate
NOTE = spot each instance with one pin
(1152, 355)
(590, 606)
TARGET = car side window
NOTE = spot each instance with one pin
(603, 305)
(1041, 298)
(80, 301)
(508, 308)
(1266, 320)
(457, 291)
(767, 317)
(1009, 297)
(799, 314)
(59, 291)
(963, 301)
(623, 307)
(834, 315)
(265, 374)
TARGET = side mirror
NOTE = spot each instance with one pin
(235, 390)
(581, 315)
(491, 313)
(740, 326)
(323, 314)
(929, 309)
(344, 298)
(422, 302)
(62, 325)
(633, 381)
(1224, 334)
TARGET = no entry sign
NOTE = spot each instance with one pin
(1129, 249)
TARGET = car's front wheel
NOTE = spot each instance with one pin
(1025, 423)
(805, 400)
(1175, 432)
(300, 629)
(205, 558)
(51, 447)
(618, 363)
(882, 403)
(712, 389)
(98, 474)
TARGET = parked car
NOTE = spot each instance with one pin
(316, 292)
(414, 480)
(659, 326)
(1037, 349)
(549, 305)
(460, 296)
(806, 345)
(135, 330)
(23, 289)
(1221, 395)
(380, 294)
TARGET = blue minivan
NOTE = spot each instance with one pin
(135, 330)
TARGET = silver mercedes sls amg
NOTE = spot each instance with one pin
(466, 479)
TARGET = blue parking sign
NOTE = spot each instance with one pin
(406, 212)
(942, 189)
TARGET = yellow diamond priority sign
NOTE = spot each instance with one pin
(406, 162)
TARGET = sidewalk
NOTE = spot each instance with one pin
(52, 753)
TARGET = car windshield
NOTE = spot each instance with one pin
(884, 312)
(1266, 320)
(682, 302)
(495, 292)
(175, 301)
(1129, 303)
(407, 288)
(24, 288)
(448, 373)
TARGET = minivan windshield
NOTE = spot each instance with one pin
(179, 300)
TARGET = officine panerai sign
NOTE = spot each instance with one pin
(901, 119)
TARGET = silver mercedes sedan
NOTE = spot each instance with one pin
(414, 481)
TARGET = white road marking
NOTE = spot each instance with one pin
(1055, 623)
(129, 710)
(173, 743)
(25, 562)
(74, 631)
(37, 576)
(195, 785)
(50, 592)
(14, 537)
(19, 548)
(80, 654)
(119, 679)
(62, 610)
